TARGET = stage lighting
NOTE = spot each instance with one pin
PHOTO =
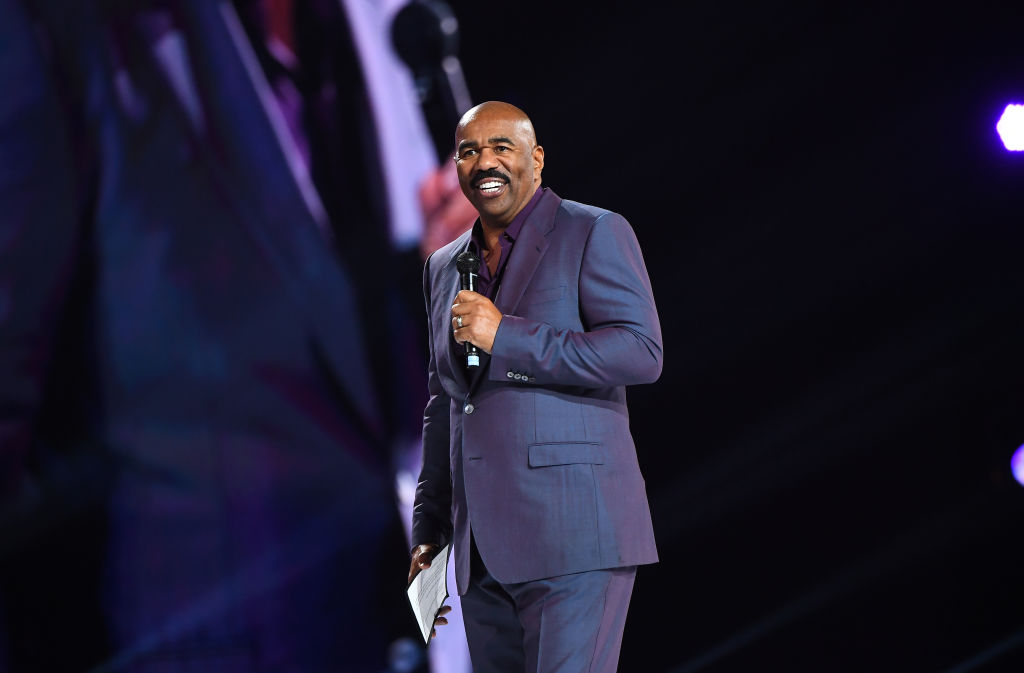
(1011, 127)
(1017, 465)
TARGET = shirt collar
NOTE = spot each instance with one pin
(511, 232)
(516, 225)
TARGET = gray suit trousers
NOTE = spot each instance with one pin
(566, 624)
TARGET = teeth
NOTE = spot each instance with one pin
(490, 185)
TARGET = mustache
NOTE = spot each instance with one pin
(490, 173)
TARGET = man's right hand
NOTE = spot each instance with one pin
(422, 555)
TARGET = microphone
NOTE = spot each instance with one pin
(425, 34)
(468, 265)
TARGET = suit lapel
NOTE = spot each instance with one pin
(250, 153)
(245, 117)
(164, 44)
(526, 254)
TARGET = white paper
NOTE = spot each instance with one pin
(428, 592)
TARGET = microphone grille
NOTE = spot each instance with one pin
(468, 262)
(424, 32)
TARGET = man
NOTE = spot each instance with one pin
(529, 468)
(201, 199)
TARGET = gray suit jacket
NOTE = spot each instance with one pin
(534, 453)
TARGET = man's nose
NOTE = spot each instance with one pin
(488, 159)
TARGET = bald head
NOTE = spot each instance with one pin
(498, 161)
(498, 110)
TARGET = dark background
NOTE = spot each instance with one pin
(835, 238)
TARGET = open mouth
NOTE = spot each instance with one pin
(490, 187)
(490, 183)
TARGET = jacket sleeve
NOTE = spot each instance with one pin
(38, 233)
(432, 517)
(621, 340)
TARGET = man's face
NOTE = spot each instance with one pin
(499, 165)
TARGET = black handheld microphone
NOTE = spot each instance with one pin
(425, 34)
(468, 265)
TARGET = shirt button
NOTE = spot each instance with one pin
(468, 408)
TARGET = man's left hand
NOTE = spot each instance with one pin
(475, 319)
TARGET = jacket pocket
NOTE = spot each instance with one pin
(566, 453)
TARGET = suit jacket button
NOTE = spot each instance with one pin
(510, 375)
(468, 408)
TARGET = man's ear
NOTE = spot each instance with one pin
(538, 161)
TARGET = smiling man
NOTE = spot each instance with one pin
(529, 468)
